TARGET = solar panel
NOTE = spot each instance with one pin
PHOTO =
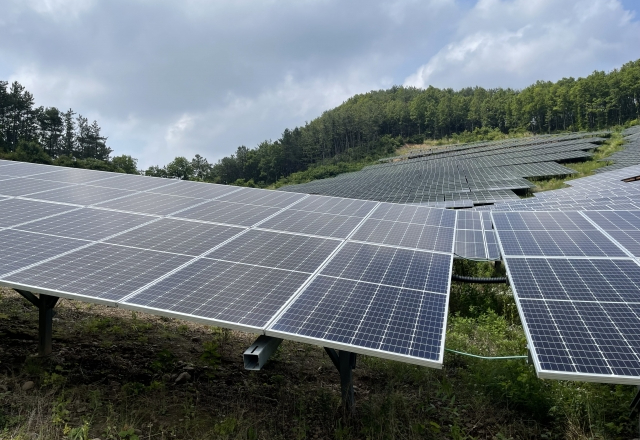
(85, 223)
(23, 187)
(569, 348)
(386, 321)
(22, 249)
(101, 272)
(622, 226)
(579, 312)
(229, 213)
(262, 198)
(244, 260)
(493, 251)
(392, 266)
(328, 225)
(134, 183)
(331, 205)
(576, 279)
(147, 203)
(17, 211)
(559, 244)
(281, 251)
(232, 294)
(76, 175)
(185, 188)
(23, 169)
(81, 195)
(410, 235)
(176, 236)
(470, 244)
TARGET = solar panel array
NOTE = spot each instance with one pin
(577, 290)
(350, 274)
(573, 259)
(360, 275)
(477, 173)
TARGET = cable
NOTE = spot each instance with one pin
(465, 279)
(489, 358)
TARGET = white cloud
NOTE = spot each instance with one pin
(61, 9)
(166, 78)
(514, 43)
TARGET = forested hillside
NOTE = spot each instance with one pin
(365, 127)
(373, 124)
(48, 135)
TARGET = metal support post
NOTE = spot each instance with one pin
(345, 362)
(45, 305)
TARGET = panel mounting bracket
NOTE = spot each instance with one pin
(45, 305)
(259, 352)
(345, 362)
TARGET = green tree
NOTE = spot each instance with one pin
(125, 164)
(180, 168)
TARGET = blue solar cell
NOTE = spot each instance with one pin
(383, 318)
(415, 214)
(575, 279)
(99, 271)
(17, 211)
(229, 213)
(333, 205)
(558, 243)
(584, 337)
(218, 291)
(541, 221)
(470, 244)
(273, 249)
(22, 249)
(411, 235)
(328, 225)
(392, 266)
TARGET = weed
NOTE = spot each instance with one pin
(128, 433)
(183, 329)
(211, 354)
(60, 413)
(80, 433)
(226, 427)
(133, 388)
(54, 380)
(97, 324)
(165, 361)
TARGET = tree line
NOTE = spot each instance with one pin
(363, 128)
(49, 135)
(371, 125)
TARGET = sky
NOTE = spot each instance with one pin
(179, 78)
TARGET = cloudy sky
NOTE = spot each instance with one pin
(177, 78)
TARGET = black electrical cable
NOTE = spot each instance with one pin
(465, 279)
